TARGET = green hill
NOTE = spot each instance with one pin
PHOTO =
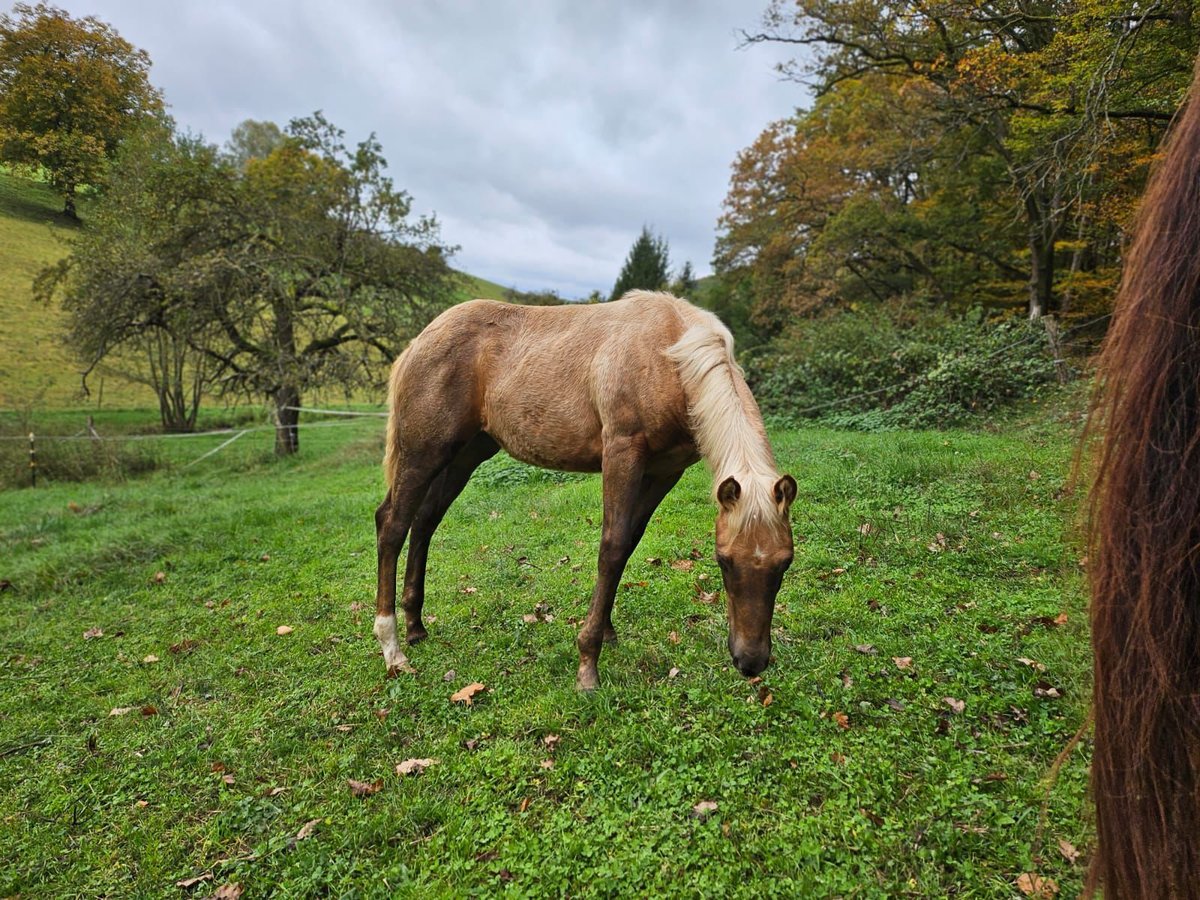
(36, 371)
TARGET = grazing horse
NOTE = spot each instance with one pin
(637, 389)
(1145, 547)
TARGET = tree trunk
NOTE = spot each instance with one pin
(69, 202)
(1041, 259)
(287, 435)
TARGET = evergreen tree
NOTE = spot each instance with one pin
(684, 284)
(646, 268)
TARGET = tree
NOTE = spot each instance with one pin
(70, 89)
(647, 267)
(253, 140)
(1041, 88)
(685, 282)
(302, 271)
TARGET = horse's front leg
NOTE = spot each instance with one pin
(623, 468)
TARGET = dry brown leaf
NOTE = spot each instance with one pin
(230, 891)
(673, 673)
(902, 662)
(465, 694)
(228, 779)
(307, 829)
(1033, 885)
(551, 741)
(837, 759)
(767, 697)
(186, 883)
(470, 589)
(547, 764)
(284, 629)
(866, 649)
(121, 710)
(382, 713)
(159, 577)
(92, 633)
(343, 728)
(654, 560)
(673, 637)
(682, 565)
(865, 528)
(1061, 619)
(365, 788)
(843, 720)
(955, 705)
(704, 809)
(1036, 666)
(149, 658)
(524, 804)
(706, 596)
(187, 645)
(274, 792)
(266, 557)
(1067, 849)
(149, 710)
(415, 766)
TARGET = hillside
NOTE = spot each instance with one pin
(35, 370)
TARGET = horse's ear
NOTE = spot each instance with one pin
(728, 493)
(785, 491)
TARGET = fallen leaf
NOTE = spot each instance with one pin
(1037, 666)
(897, 705)
(1032, 885)
(465, 694)
(149, 710)
(187, 645)
(843, 720)
(415, 766)
(902, 662)
(1047, 690)
(682, 565)
(875, 818)
(706, 596)
(141, 804)
(673, 673)
(1034, 476)
(524, 805)
(469, 589)
(865, 528)
(228, 779)
(551, 741)
(837, 759)
(92, 633)
(866, 649)
(344, 727)
(365, 788)
(284, 629)
(121, 710)
(274, 792)
(230, 891)
(1060, 619)
(159, 577)
(266, 557)
(766, 696)
(307, 829)
(1067, 849)
(654, 560)
(149, 658)
(382, 713)
(704, 809)
(673, 637)
(186, 883)
(955, 705)
(547, 764)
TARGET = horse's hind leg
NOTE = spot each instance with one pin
(441, 494)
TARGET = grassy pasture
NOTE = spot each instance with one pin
(857, 778)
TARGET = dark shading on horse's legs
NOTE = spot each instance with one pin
(651, 494)
(392, 521)
(629, 499)
(441, 494)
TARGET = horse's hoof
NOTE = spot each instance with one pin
(587, 681)
(400, 668)
(610, 636)
(416, 635)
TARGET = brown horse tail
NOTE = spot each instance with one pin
(1145, 547)
(391, 456)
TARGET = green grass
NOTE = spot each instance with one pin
(911, 799)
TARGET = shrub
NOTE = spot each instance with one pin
(893, 367)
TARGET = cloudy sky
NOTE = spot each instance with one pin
(542, 133)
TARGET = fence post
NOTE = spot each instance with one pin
(32, 462)
(1055, 341)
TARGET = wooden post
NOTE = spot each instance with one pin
(32, 462)
(1060, 364)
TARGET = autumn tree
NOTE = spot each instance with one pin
(647, 267)
(304, 270)
(252, 140)
(1041, 89)
(70, 89)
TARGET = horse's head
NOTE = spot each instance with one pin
(754, 549)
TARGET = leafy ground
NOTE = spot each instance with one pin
(36, 371)
(931, 665)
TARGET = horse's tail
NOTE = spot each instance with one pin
(391, 456)
(1145, 547)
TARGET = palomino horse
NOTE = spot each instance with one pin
(637, 389)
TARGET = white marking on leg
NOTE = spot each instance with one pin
(385, 631)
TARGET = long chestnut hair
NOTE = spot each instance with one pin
(1145, 547)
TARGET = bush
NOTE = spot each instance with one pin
(77, 460)
(889, 368)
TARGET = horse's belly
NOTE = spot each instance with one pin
(567, 453)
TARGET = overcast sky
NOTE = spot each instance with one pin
(542, 133)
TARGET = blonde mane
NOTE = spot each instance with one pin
(726, 423)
